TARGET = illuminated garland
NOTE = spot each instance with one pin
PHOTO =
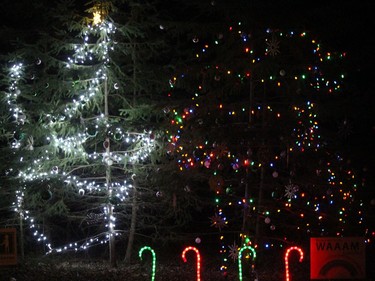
(286, 259)
(316, 80)
(307, 138)
(198, 261)
(306, 133)
(253, 254)
(16, 73)
(153, 259)
(213, 156)
(134, 147)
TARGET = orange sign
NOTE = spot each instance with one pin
(8, 246)
(337, 258)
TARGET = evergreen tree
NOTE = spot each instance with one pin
(251, 134)
(84, 107)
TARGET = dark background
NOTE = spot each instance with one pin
(343, 25)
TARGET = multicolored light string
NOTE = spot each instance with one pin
(224, 223)
(153, 270)
(318, 82)
(286, 259)
(253, 254)
(198, 261)
(310, 76)
(306, 131)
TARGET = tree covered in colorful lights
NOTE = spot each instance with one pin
(83, 108)
(245, 126)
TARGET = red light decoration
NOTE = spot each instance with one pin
(198, 260)
(287, 277)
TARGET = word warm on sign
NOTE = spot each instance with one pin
(337, 258)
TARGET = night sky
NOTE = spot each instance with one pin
(344, 25)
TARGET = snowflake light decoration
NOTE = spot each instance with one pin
(29, 143)
(290, 190)
(218, 222)
(273, 46)
(233, 251)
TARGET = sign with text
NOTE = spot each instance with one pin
(8, 246)
(337, 258)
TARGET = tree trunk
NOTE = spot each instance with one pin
(21, 240)
(258, 233)
(111, 231)
(132, 225)
(263, 160)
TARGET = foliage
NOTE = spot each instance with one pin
(84, 118)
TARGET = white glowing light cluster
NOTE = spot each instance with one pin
(141, 146)
(99, 239)
(15, 74)
(25, 214)
(133, 147)
(88, 51)
(85, 187)
(70, 145)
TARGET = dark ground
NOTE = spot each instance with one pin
(72, 269)
(93, 265)
(100, 271)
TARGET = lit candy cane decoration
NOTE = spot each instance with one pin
(153, 259)
(198, 260)
(240, 259)
(287, 260)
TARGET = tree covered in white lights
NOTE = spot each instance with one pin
(83, 108)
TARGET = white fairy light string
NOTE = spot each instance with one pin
(135, 147)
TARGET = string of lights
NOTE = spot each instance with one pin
(131, 147)
(211, 155)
